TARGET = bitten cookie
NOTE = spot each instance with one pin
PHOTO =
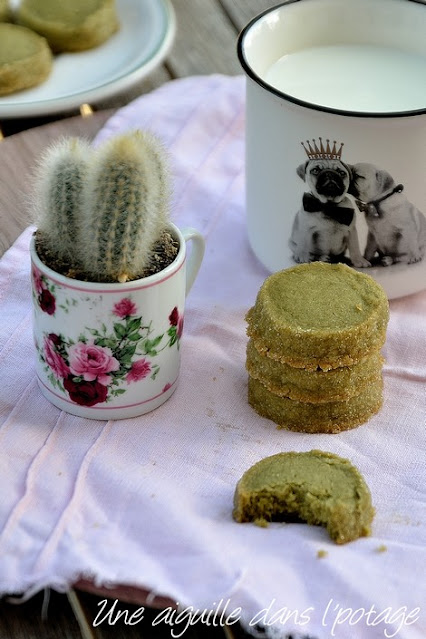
(73, 25)
(318, 487)
(25, 58)
(319, 315)
(328, 417)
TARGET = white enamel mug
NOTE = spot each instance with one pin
(112, 351)
(336, 136)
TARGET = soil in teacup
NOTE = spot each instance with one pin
(165, 252)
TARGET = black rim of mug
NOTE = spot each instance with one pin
(310, 105)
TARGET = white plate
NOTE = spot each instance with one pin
(147, 29)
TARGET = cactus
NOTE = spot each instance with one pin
(104, 211)
(128, 199)
(59, 197)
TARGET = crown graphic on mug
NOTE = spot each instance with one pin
(320, 153)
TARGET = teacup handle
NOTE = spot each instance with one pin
(195, 257)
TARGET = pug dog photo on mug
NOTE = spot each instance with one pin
(341, 200)
(336, 137)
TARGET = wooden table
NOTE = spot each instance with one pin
(205, 43)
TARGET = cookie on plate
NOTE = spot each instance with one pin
(4, 10)
(25, 58)
(317, 487)
(70, 25)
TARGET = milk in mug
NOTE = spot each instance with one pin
(351, 77)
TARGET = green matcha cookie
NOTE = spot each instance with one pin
(25, 58)
(313, 386)
(319, 315)
(72, 25)
(317, 487)
(328, 417)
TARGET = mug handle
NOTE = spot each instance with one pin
(195, 257)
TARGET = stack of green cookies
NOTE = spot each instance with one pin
(313, 356)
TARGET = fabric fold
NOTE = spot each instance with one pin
(148, 501)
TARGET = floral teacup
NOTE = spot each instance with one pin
(111, 351)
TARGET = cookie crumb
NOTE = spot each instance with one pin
(321, 554)
(381, 548)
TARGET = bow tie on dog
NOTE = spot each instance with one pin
(332, 210)
(324, 229)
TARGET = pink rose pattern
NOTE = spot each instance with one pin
(94, 369)
(43, 292)
(140, 369)
(176, 325)
(92, 362)
(37, 280)
(86, 393)
(124, 308)
(54, 358)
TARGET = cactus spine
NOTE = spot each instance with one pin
(104, 211)
(128, 199)
(60, 201)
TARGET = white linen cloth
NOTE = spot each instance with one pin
(148, 501)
